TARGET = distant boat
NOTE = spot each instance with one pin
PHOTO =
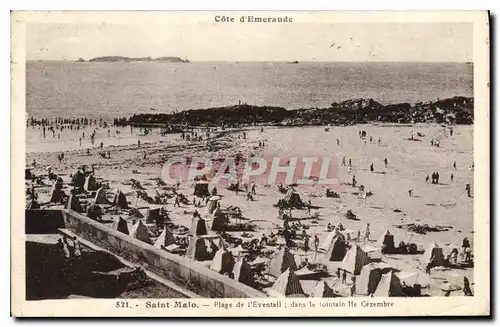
(294, 62)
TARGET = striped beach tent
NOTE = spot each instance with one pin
(165, 239)
(323, 290)
(223, 261)
(389, 285)
(140, 232)
(281, 261)
(287, 285)
(354, 260)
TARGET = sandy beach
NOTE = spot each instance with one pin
(409, 162)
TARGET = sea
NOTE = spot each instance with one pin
(119, 89)
(63, 89)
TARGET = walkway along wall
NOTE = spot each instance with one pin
(179, 270)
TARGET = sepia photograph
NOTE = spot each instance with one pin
(182, 160)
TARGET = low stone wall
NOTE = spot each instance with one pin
(181, 271)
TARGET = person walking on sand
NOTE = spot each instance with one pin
(385, 162)
(350, 162)
(353, 286)
(253, 188)
(467, 290)
(316, 243)
(451, 177)
(343, 161)
(177, 202)
(467, 189)
(367, 232)
(455, 165)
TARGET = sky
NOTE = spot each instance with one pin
(429, 42)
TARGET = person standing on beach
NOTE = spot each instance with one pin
(80, 141)
(139, 143)
(451, 177)
(385, 162)
(102, 144)
(338, 142)
(367, 232)
(371, 167)
(353, 180)
(343, 161)
(467, 189)
(455, 165)
(379, 141)
(350, 162)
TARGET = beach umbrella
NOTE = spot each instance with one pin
(411, 278)
(449, 287)
(237, 250)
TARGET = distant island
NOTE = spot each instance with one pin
(132, 59)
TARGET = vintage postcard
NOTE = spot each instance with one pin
(200, 164)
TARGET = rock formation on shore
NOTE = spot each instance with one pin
(456, 110)
(143, 59)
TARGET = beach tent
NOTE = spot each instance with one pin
(90, 183)
(140, 232)
(212, 204)
(387, 242)
(329, 239)
(292, 200)
(94, 212)
(198, 227)
(223, 261)
(197, 249)
(281, 261)
(370, 276)
(220, 221)
(153, 215)
(100, 197)
(57, 194)
(287, 285)
(389, 286)
(78, 179)
(120, 200)
(122, 226)
(337, 250)
(32, 204)
(165, 239)
(323, 290)
(243, 272)
(201, 188)
(354, 260)
(73, 203)
(433, 255)
(412, 278)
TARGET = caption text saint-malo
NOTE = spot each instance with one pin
(252, 19)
